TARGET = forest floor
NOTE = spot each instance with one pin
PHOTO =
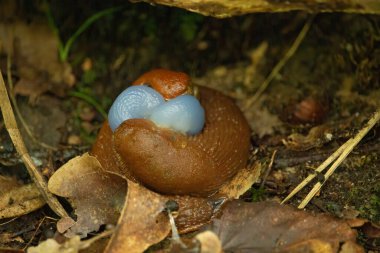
(323, 95)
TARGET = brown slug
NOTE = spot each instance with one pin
(171, 162)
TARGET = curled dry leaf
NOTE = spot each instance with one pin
(271, 227)
(17, 199)
(242, 182)
(97, 196)
(142, 223)
(316, 137)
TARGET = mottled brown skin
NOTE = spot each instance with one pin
(169, 83)
(172, 163)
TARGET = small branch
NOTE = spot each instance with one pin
(14, 133)
(320, 168)
(269, 169)
(250, 101)
(351, 144)
(338, 156)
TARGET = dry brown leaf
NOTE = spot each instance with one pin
(242, 182)
(52, 246)
(317, 136)
(97, 196)
(210, 242)
(351, 247)
(9, 238)
(142, 223)
(34, 50)
(313, 245)
(371, 230)
(269, 227)
(17, 199)
(268, 122)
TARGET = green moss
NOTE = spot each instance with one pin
(257, 194)
(189, 25)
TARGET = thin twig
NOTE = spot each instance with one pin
(280, 64)
(320, 168)
(268, 169)
(350, 146)
(8, 221)
(85, 244)
(36, 230)
(14, 133)
(15, 106)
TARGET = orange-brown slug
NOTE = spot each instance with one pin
(175, 163)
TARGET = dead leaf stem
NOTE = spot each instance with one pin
(14, 133)
(264, 85)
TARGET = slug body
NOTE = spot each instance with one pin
(150, 150)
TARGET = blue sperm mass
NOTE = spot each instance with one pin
(183, 113)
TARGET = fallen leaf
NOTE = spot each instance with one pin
(317, 136)
(142, 223)
(271, 227)
(351, 247)
(9, 238)
(194, 212)
(17, 199)
(312, 245)
(34, 48)
(52, 246)
(371, 230)
(96, 196)
(242, 182)
(210, 242)
(268, 123)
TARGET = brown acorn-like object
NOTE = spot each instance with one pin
(173, 163)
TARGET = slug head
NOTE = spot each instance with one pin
(169, 84)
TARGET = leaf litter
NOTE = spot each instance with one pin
(271, 227)
(18, 199)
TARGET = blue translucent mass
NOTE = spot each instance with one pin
(183, 113)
